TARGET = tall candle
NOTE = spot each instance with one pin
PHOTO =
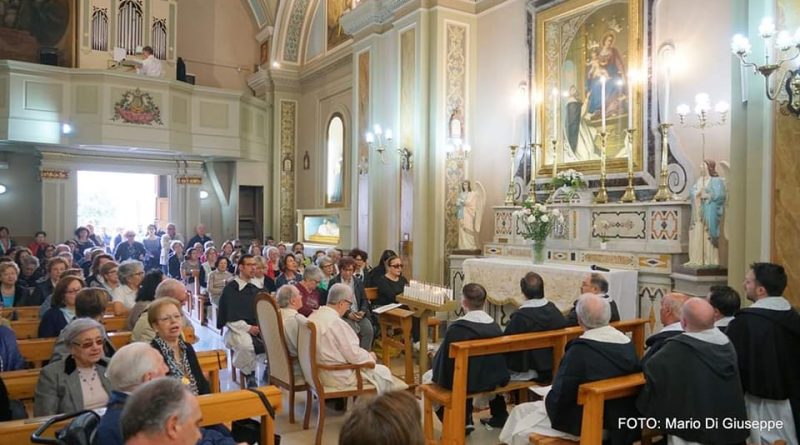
(603, 103)
(555, 113)
(629, 141)
(630, 98)
(667, 75)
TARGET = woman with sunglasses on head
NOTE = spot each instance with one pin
(391, 283)
(78, 382)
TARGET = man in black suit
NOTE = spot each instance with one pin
(726, 302)
(597, 284)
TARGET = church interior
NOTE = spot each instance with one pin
(648, 141)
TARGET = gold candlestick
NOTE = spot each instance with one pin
(663, 193)
(602, 194)
(630, 193)
(510, 192)
(532, 184)
(554, 142)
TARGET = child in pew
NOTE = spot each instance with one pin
(485, 373)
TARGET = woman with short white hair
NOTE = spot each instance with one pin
(131, 274)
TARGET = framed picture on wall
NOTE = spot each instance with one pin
(582, 47)
(40, 31)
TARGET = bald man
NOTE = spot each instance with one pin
(695, 376)
(670, 316)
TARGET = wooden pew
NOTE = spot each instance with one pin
(21, 385)
(593, 396)
(23, 312)
(217, 408)
(454, 401)
(25, 329)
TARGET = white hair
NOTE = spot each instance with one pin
(339, 292)
(170, 287)
(285, 294)
(593, 311)
(129, 365)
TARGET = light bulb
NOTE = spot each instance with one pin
(784, 41)
(767, 28)
(740, 45)
(683, 110)
(377, 129)
(370, 137)
(722, 107)
(388, 134)
(702, 99)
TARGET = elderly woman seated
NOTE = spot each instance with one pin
(218, 278)
(166, 318)
(29, 272)
(12, 291)
(131, 274)
(308, 289)
(78, 382)
(108, 277)
(62, 309)
(89, 303)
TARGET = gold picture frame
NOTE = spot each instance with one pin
(577, 43)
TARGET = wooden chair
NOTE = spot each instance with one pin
(281, 364)
(397, 320)
(372, 293)
(307, 355)
(217, 408)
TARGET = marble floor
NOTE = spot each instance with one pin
(293, 434)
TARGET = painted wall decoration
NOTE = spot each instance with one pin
(456, 98)
(288, 140)
(137, 107)
(336, 34)
(30, 29)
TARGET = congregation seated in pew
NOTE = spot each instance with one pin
(601, 352)
(131, 274)
(536, 314)
(485, 373)
(695, 375)
(145, 294)
(79, 381)
(56, 266)
(90, 303)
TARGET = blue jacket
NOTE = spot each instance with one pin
(9, 353)
(52, 323)
(109, 431)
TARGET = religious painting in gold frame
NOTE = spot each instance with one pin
(578, 42)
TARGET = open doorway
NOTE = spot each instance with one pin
(117, 201)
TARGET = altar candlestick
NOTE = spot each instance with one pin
(629, 142)
(603, 103)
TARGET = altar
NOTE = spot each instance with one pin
(562, 282)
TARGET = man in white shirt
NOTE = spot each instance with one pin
(150, 65)
(289, 301)
(337, 344)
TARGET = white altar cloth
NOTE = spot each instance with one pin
(562, 282)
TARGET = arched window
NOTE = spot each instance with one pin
(99, 29)
(159, 39)
(130, 24)
(334, 165)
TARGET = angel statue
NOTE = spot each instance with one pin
(469, 210)
(707, 198)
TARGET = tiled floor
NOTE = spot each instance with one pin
(293, 434)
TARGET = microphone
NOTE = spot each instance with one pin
(599, 268)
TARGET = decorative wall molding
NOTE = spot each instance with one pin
(189, 180)
(288, 142)
(291, 44)
(50, 173)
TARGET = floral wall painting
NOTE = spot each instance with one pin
(336, 34)
(137, 107)
(582, 44)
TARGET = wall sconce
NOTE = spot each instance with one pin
(203, 194)
(457, 151)
(789, 47)
(379, 141)
(405, 159)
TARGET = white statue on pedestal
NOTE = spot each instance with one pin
(469, 211)
(707, 197)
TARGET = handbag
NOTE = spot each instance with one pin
(249, 430)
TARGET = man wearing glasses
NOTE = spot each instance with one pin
(237, 315)
(337, 344)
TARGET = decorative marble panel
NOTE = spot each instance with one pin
(455, 98)
(86, 100)
(664, 225)
(291, 47)
(40, 96)
(621, 225)
(614, 259)
(288, 138)
(503, 223)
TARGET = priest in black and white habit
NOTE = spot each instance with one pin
(670, 316)
(485, 373)
(536, 314)
(726, 302)
(601, 352)
(766, 336)
(594, 283)
(695, 376)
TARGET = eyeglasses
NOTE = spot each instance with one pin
(349, 303)
(396, 266)
(72, 291)
(176, 317)
(88, 344)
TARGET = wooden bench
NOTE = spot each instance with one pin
(29, 328)
(22, 312)
(38, 350)
(454, 401)
(217, 408)
(21, 385)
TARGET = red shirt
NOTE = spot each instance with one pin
(310, 300)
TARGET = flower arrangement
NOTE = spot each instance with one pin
(569, 178)
(601, 229)
(537, 220)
